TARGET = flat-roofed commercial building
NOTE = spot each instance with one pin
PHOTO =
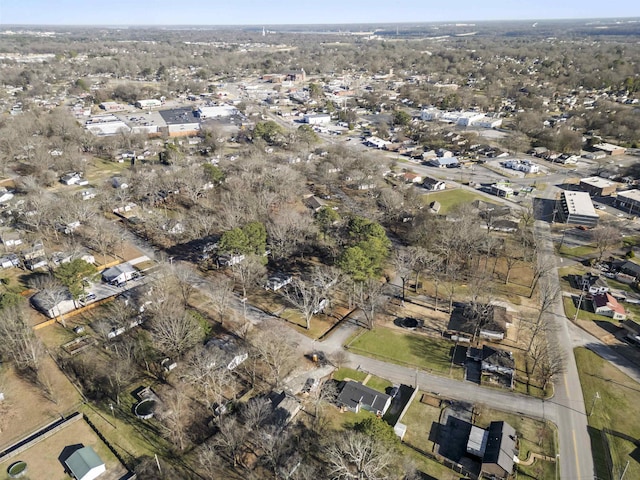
(610, 149)
(577, 208)
(598, 186)
(181, 121)
(629, 201)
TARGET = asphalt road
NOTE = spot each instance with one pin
(576, 460)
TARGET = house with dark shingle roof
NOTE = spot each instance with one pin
(500, 450)
(354, 396)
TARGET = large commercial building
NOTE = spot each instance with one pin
(181, 121)
(598, 186)
(576, 208)
(629, 201)
(610, 149)
(215, 111)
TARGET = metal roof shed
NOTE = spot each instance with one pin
(85, 464)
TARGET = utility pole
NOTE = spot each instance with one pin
(575, 317)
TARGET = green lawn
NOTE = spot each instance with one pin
(379, 384)
(350, 373)
(407, 349)
(614, 423)
(420, 419)
(577, 252)
(450, 198)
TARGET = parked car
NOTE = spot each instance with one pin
(393, 393)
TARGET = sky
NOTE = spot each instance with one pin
(280, 12)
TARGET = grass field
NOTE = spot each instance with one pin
(407, 349)
(350, 373)
(420, 419)
(614, 424)
(577, 252)
(379, 384)
(451, 198)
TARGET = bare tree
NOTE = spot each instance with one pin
(175, 416)
(220, 292)
(19, 342)
(185, 280)
(404, 261)
(173, 329)
(553, 364)
(356, 456)
(605, 237)
(548, 293)
(305, 296)
(278, 355)
(206, 371)
(369, 297)
(231, 437)
(249, 271)
(255, 412)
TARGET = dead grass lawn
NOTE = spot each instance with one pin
(43, 458)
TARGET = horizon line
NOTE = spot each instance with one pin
(4, 26)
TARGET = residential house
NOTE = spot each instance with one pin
(433, 184)
(53, 303)
(35, 251)
(9, 260)
(605, 304)
(594, 284)
(500, 451)
(486, 321)
(285, 407)
(410, 177)
(354, 395)
(119, 182)
(88, 194)
(276, 282)
(444, 162)
(10, 238)
(36, 263)
(315, 203)
(67, 228)
(498, 365)
(173, 227)
(631, 268)
(119, 274)
(85, 464)
(232, 354)
(229, 260)
(73, 178)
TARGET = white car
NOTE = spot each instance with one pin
(601, 207)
